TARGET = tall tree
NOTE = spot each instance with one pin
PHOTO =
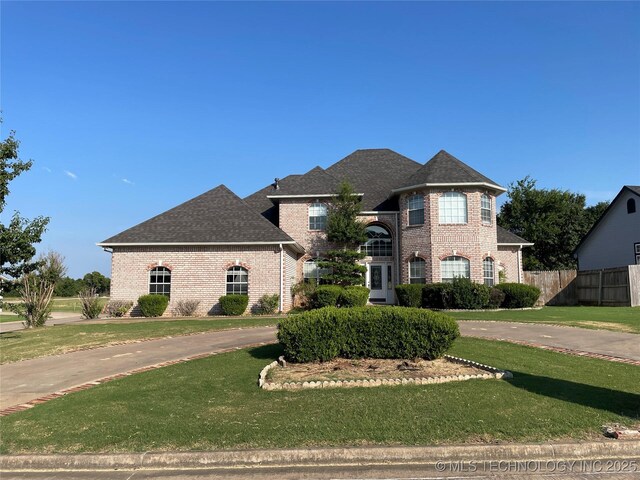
(19, 235)
(97, 281)
(346, 232)
(554, 220)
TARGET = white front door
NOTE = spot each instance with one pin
(380, 282)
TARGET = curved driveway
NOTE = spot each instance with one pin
(23, 381)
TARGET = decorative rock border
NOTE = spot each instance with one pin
(492, 372)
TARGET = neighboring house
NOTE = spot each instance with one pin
(426, 223)
(614, 240)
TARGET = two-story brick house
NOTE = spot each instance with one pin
(426, 223)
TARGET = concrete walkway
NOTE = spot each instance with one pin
(23, 381)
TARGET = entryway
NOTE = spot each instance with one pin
(380, 282)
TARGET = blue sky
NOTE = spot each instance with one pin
(129, 109)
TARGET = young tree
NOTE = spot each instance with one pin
(554, 220)
(19, 235)
(52, 267)
(347, 233)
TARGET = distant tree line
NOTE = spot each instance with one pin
(70, 287)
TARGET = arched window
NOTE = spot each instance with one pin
(415, 208)
(453, 207)
(317, 216)
(237, 281)
(160, 281)
(485, 209)
(454, 267)
(379, 244)
(631, 205)
(488, 272)
(417, 271)
(312, 273)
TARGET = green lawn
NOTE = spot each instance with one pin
(9, 318)
(63, 304)
(214, 403)
(621, 319)
(25, 344)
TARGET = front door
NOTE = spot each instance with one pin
(380, 282)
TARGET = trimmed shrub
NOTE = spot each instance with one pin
(468, 295)
(496, 297)
(436, 295)
(519, 295)
(234, 304)
(268, 304)
(117, 308)
(354, 296)
(153, 305)
(326, 296)
(410, 294)
(186, 308)
(366, 332)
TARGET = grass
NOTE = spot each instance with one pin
(9, 318)
(214, 403)
(25, 344)
(65, 304)
(620, 319)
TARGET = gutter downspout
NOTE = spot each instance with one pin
(281, 278)
(519, 258)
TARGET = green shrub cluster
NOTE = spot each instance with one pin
(410, 295)
(519, 295)
(267, 304)
(153, 305)
(366, 332)
(336, 296)
(234, 304)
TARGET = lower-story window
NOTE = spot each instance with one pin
(488, 272)
(454, 267)
(160, 281)
(237, 281)
(417, 271)
(312, 273)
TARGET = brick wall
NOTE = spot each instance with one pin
(509, 260)
(197, 272)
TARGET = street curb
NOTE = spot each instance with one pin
(380, 455)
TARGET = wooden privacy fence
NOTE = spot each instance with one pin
(619, 287)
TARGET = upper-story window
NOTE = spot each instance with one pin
(237, 281)
(312, 273)
(317, 216)
(415, 206)
(453, 207)
(631, 205)
(485, 209)
(379, 244)
(160, 281)
(488, 272)
(454, 267)
(417, 273)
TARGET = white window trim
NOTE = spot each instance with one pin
(409, 209)
(442, 205)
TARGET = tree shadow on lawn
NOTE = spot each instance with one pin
(614, 401)
(267, 352)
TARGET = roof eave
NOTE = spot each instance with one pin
(515, 244)
(491, 186)
(292, 243)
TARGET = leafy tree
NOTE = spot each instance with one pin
(554, 220)
(16, 238)
(347, 233)
(68, 287)
(98, 282)
(52, 267)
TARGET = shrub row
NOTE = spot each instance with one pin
(462, 293)
(366, 332)
(336, 296)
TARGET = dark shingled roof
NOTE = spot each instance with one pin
(634, 188)
(265, 207)
(374, 172)
(445, 168)
(315, 182)
(216, 216)
(505, 236)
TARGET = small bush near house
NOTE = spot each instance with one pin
(326, 296)
(366, 332)
(268, 304)
(117, 308)
(234, 304)
(90, 302)
(354, 296)
(153, 305)
(303, 293)
(496, 297)
(186, 308)
(468, 295)
(519, 295)
(436, 295)
(409, 295)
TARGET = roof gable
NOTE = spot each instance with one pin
(216, 216)
(315, 182)
(444, 168)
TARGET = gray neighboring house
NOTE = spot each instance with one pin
(614, 240)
